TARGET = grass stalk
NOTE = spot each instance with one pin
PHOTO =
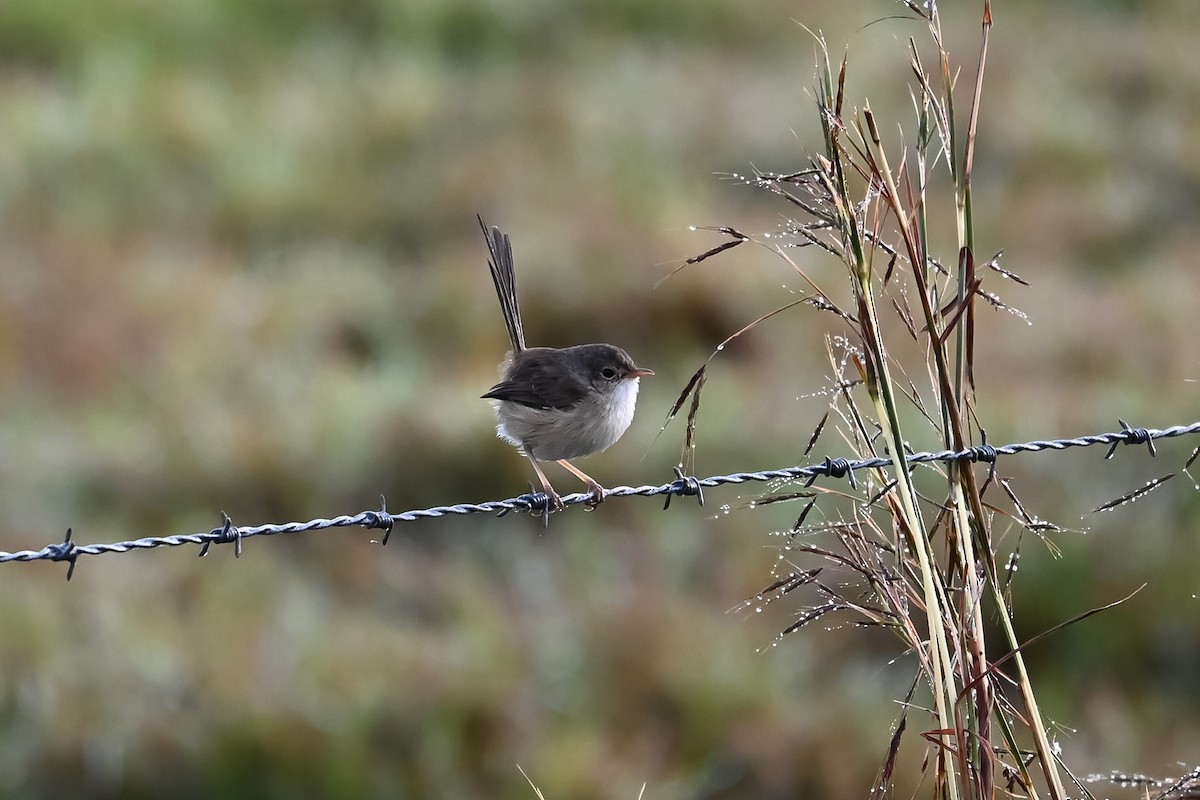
(860, 207)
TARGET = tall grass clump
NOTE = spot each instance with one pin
(911, 551)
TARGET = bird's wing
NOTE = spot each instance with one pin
(539, 380)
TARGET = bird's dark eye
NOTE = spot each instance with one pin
(608, 373)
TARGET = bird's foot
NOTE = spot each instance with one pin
(595, 495)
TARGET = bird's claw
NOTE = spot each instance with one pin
(595, 497)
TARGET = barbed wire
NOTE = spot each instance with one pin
(683, 486)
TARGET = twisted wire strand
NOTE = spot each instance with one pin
(682, 486)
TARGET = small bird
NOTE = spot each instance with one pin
(555, 404)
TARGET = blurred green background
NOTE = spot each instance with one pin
(240, 272)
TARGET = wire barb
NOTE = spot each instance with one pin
(684, 486)
(65, 551)
(380, 519)
(987, 454)
(834, 468)
(1132, 436)
(537, 502)
(228, 532)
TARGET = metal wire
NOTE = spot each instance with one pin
(682, 486)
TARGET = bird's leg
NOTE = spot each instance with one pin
(596, 490)
(556, 503)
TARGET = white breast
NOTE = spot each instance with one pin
(592, 425)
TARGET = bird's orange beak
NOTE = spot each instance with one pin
(640, 373)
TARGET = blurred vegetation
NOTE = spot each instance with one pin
(239, 271)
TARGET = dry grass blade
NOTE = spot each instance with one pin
(812, 615)
(995, 665)
(787, 497)
(689, 443)
(536, 790)
(961, 310)
(1136, 494)
(883, 782)
(696, 384)
(793, 581)
(994, 265)
(803, 515)
(1185, 786)
(922, 562)
(693, 389)
(738, 238)
(816, 434)
(696, 381)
